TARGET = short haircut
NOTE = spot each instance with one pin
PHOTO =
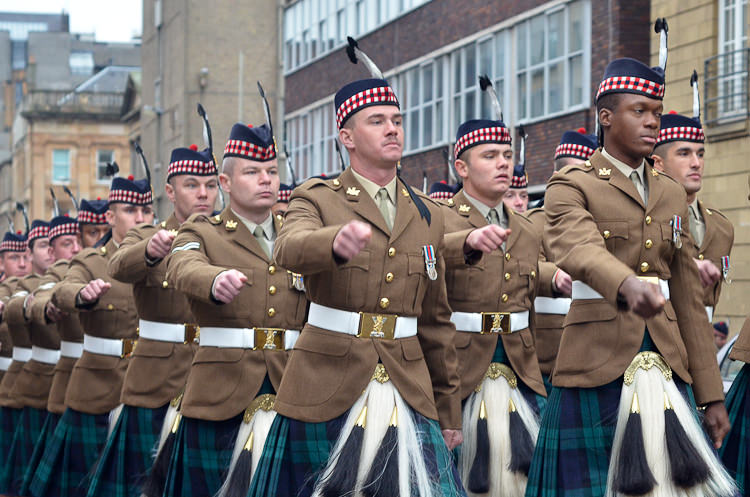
(663, 149)
(227, 165)
(609, 101)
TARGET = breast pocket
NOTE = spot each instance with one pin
(614, 233)
(667, 248)
(417, 283)
(353, 275)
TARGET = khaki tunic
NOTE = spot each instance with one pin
(717, 243)
(8, 288)
(96, 380)
(599, 232)
(224, 381)
(158, 369)
(329, 370)
(499, 282)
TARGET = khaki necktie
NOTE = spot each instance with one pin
(492, 217)
(260, 235)
(697, 227)
(381, 198)
(638, 185)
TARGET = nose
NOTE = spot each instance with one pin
(76, 247)
(202, 191)
(139, 215)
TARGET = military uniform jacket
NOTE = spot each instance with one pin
(223, 381)
(599, 232)
(96, 380)
(547, 327)
(717, 243)
(68, 328)
(498, 282)
(7, 288)
(32, 386)
(329, 370)
(158, 369)
(741, 349)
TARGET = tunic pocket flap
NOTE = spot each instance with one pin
(584, 312)
(326, 344)
(412, 350)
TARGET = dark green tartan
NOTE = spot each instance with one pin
(28, 428)
(8, 421)
(296, 452)
(735, 452)
(48, 429)
(201, 457)
(70, 455)
(128, 453)
(536, 401)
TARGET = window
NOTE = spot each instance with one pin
(311, 142)
(61, 166)
(314, 28)
(18, 50)
(81, 63)
(102, 157)
(732, 62)
(551, 72)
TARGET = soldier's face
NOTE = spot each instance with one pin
(16, 263)
(374, 136)
(486, 170)
(252, 186)
(517, 199)
(122, 217)
(684, 162)
(41, 258)
(192, 195)
(92, 233)
(65, 247)
(633, 127)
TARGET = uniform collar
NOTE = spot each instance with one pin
(372, 188)
(484, 209)
(266, 225)
(624, 168)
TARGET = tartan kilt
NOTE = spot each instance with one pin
(28, 428)
(128, 453)
(735, 452)
(9, 417)
(571, 457)
(70, 455)
(296, 452)
(48, 429)
(201, 457)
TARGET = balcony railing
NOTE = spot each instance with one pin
(726, 87)
(68, 102)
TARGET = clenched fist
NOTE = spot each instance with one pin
(486, 239)
(93, 291)
(228, 285)
(643, 298)
(351, 239)
(159, 245)
(708, 272)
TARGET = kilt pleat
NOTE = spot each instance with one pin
(735, 452)
(201, 457)
(128, 453)
(296, 452)
(28, 428)
(65, 467)
(9, 417)
(48, 429)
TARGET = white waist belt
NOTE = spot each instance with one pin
(47, 356)
(549, 305)
(119, 347)
(474, 321)
(5, 363)
(247, 338)
(710, 313)
(21, 354)
(71, 349)
(581, 291)
(166, 332)
(363, 324)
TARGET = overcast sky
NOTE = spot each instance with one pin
(110, 20)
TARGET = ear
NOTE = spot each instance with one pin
(658, 162)
(605, 117)
(110, 215)
(345, 136)
(51, 251)
(226, 183)
(169, 190)
(462, 168)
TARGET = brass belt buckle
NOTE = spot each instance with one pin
(128, 346)
(271, 338)
(649, 279)
(496, 322)
(377, 325)
(192, 333)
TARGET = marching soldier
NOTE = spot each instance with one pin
(107, 314)
(619, 419)
(159, 365)
(250, 311)
(501, 383)
(517, 195)
(679, 152)
(550, 311)
(372, 381)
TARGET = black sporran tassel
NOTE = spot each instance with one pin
(479, 475)
(632, 474)
(343, 477)
(686, 464)
(383, 478)
(521, 444)
(157, 477)
(239, 480)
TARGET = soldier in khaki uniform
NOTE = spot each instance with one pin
(107, 314)
(249, 309)
(550, 311)
(679, 152)
(158, 368)
(373, 373)
(500, 378)
(636, 337)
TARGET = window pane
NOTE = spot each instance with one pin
(537, 92)
(427, 126)
(522, 96)
(485, 58)
(439, 78)
(575, 80)
(457, 113)
(537, 40)
(413, 99)
(439, 121)
(500, 54)
(522, 43)
(413, 124)
(457, 58)
(576, 27)
(556, 44)
(471, 103)
(470, 73)
(427, 95)
(61, 165)
(556, 87)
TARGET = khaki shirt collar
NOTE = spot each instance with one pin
(624, 168)
(372, 188)
(268, 229)
(484, 209)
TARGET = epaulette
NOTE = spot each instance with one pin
(710, 211)
(199, 218)
(333, 184)
(535, 210)
(581, 166)
(92, 251)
